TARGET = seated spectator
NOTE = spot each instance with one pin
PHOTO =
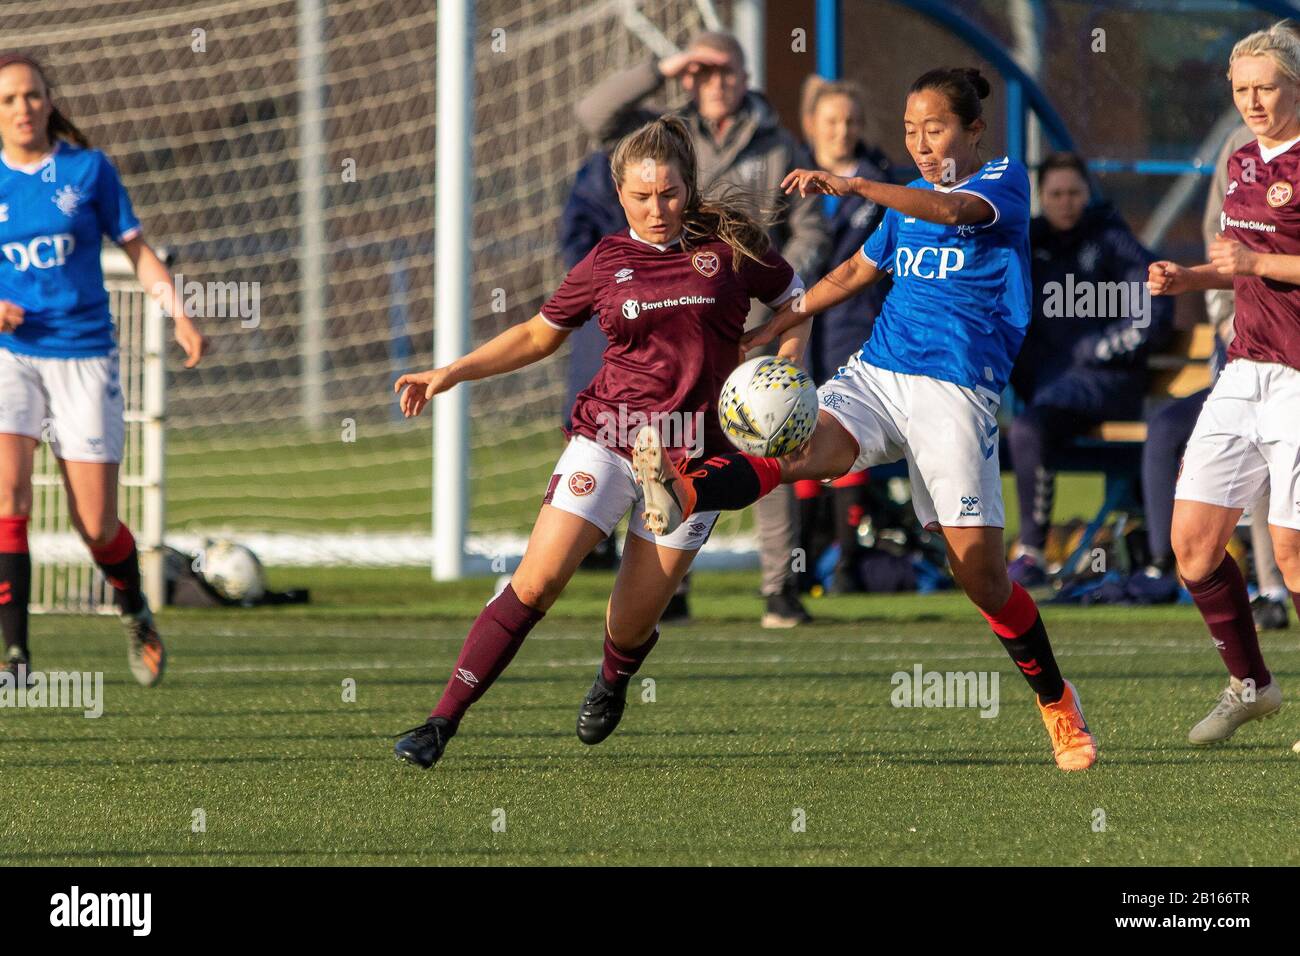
(1084, 359)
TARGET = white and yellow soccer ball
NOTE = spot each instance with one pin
(233, 571)
(768, 407)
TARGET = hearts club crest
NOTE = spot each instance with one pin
(706, 263)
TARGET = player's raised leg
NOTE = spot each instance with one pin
(673, 492)
(1200, 536)
(92, 506)
(558, 544)
(647, 578)
(976, 557)
(16, 454)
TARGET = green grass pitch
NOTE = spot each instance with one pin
(747, 728)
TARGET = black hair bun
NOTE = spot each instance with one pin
(976, 78)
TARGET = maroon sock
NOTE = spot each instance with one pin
(1224, 603)
(15, 581)
(121, 566)
(1295, 599)
(492, 642)
(620, 664)
(732, 482)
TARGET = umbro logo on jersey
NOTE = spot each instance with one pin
(622, 275)
(1232, 188)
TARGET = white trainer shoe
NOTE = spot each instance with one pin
(1236, 707)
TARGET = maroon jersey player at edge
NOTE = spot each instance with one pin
(671, 293)
(1246, 439)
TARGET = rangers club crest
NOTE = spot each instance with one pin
(1279, 194)
(68, 198)
(581, 483)
(706, 263)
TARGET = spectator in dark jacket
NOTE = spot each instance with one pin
(1084, 359)
(591, 213)
(834, 124)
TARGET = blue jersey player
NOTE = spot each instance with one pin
(58, 362)
(926, 384)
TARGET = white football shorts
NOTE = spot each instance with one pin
(1246, 443)
(73, 403)
(947, 433)
(597, 484)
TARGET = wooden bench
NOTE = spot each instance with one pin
(1182, 369)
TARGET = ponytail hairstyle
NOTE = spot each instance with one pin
(740, 218)
(59, 127)
(964, 88)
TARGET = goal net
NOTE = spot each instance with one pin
(283, 150)
(63, 576)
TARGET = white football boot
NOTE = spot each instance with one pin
(1233, 710)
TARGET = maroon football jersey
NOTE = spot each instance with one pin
(1262, 211)
(673, 317)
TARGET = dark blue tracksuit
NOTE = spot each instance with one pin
(591, 213)
(1084, 359)
(838, 333)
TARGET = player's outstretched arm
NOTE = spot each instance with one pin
(517, 346)
(153, 275)
(946, 209)
(843, 282)
(1169, 278)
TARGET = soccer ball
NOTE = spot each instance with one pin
(234, 572)
(768, 407)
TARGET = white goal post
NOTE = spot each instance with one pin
(64, 578)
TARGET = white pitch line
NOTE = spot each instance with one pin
(784, 638)
(902, 657)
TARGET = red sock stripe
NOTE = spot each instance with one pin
(116, 550)
(1017, 615)
(768, 471)
(806, 488)
(13, 535)
(853, 479)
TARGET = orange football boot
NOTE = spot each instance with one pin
(1072, 742)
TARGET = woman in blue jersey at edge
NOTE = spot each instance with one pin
(58, 360)
(926, 385)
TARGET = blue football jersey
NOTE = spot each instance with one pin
(959, 306)
(52, 220)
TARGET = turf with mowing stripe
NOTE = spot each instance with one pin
(747, 726)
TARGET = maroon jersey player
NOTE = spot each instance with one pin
(671, 293)
(1246, 442)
